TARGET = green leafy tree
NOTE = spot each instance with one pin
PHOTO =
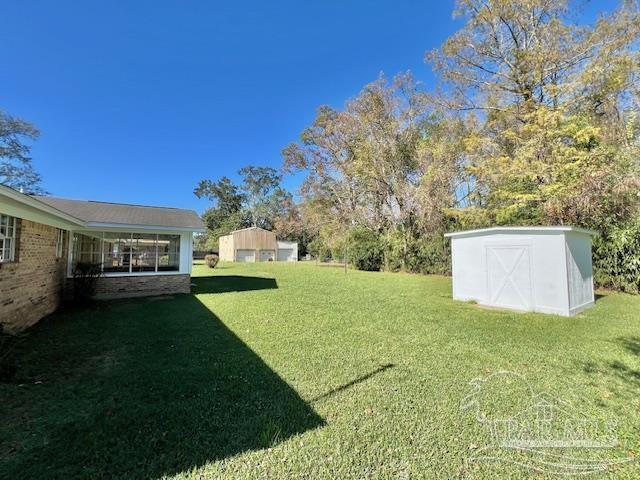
(384, 163)
(226, 213)
(265, 199)
(16, 169)
(224, 193)
(220, 224)
(549, 110)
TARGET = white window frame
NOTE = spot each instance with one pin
(12, 221)
(60, 243)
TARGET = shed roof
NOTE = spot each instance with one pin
(518, 230)
(251, 228)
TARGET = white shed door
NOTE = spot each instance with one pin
(285, 254)
(245, 256)
(509, 276)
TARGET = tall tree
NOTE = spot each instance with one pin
(291, 224)
(548, 106)
(371, 164)
(226, 213)
(16, 169)
(224, 193)
(263, 194)
(535, 121)
(513, 55)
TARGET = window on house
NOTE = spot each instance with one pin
(128, 252)
(59, 243)
(7, 238)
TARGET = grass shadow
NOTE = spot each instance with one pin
(598, 296)
(352, 383)
(231, 283)
(625, 378)
(631, 344)
(142, 390)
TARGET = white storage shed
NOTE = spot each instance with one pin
(539, 269)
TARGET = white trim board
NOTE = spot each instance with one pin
(519, 230)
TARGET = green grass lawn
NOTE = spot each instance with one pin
(295, 370)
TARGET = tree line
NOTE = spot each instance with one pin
(534, 121)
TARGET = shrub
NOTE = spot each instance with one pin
(211, 260)
(365, 250)
(319, 250)
(428, 254)
(85, 279)
(434, 255)
(616, 258)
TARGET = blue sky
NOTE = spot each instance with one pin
(138, 100)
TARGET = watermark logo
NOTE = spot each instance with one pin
(537, 431)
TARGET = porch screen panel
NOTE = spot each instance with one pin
(87, 248)
(127, 252)
(117, 252)
(144, 252)
(168, 253)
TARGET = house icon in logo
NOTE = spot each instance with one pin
(537, 430)
(552, 423)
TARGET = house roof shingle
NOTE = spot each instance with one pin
(125, 214)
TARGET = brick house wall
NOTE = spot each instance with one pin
(31, 286)
(142, 286)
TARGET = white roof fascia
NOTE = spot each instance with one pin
(17, 201)
(137, 228)
(507, 230)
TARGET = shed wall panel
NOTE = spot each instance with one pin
(254, 239)
(225, 248)
(579, 270)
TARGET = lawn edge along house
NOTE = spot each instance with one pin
(142, 251)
